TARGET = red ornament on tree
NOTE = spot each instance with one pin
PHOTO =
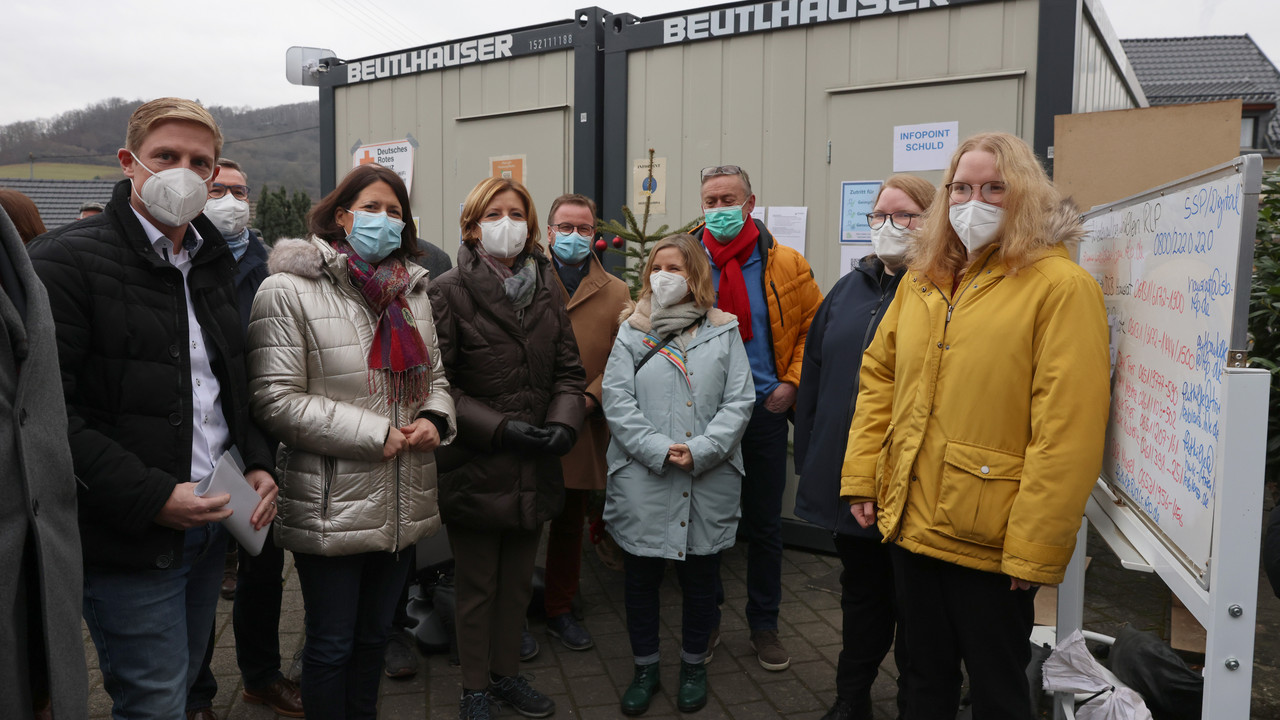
(617, 242)
(600, 244)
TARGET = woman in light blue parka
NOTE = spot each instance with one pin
(677, 396)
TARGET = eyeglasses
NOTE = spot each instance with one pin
(900, 220)
(239, 192)
(715, 170)
(583, 230)
(992, 191)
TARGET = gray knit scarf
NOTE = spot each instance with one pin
(674, 319)
(518, 285)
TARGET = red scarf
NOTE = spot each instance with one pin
(730, 257)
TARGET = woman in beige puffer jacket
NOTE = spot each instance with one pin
(346, 373)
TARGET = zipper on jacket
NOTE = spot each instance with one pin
(399, 460)
(951, 306)
(782, 318)
(328, 469)
(866, 336)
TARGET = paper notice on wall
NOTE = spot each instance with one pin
(758, 213)
(510, 167)
(653, 189)
(924, 147)
(850, 255)
(857, 198)
(396, 155)
(788, 226)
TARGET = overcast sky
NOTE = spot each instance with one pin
(60, 55)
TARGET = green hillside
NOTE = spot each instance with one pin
(60, 171)
(277, 146)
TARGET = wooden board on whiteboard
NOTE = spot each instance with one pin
(1104, 156)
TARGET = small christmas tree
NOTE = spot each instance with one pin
(637, 239)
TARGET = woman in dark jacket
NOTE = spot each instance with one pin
(518, 384)
(841, 331)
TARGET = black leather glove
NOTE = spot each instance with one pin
(521, 437)
(560, 438)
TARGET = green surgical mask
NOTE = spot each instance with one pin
(724, 222)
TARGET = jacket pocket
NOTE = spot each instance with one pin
(978, 488)
(328, 467)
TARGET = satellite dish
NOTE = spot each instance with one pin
(304, 65)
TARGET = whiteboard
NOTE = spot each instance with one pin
(1174, 266)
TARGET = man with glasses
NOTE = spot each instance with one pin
(771, 289)
(257, 587)
(595, 300)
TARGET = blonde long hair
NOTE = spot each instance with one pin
(1030, 202)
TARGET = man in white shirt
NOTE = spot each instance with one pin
(152, 356)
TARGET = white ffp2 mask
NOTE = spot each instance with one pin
(229, 215)
(504, 237)
(976, 223)
(668, 288)
(174, 196)
(890, 243)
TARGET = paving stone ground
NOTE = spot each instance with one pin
(589, 684)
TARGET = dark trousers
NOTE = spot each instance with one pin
(869, 616)
(697, 575)
(349, 603)
(493, 577)
(954, 614)
(764, 457)
(564, 553)
(255, 618)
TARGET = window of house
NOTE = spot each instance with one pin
(1248, 128)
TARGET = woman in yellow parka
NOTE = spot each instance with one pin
(980, 423)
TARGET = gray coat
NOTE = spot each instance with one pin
(37, 502)
(652, 508)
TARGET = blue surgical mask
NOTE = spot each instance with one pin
(571, 248)
(724, 222)
(374, 235)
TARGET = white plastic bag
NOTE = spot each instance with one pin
(1072, 668)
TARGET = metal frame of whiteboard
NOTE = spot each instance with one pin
(1249, 168)
(1228, 611)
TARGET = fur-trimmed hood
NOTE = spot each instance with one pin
(312, 257)
(1063, 225)
(637, 316)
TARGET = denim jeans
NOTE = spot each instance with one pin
(350, 601)
(151, 627)
(697, 575)
(764, 458)
(256, 620)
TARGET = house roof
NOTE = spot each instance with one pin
(59, 200)
(1176, 71)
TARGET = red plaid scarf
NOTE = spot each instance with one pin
(398, 352)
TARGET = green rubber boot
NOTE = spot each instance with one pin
(692, 695)
(635, 701)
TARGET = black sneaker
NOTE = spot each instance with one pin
(570, 632)
(516, 692)
(400, 659)
(474, 706)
